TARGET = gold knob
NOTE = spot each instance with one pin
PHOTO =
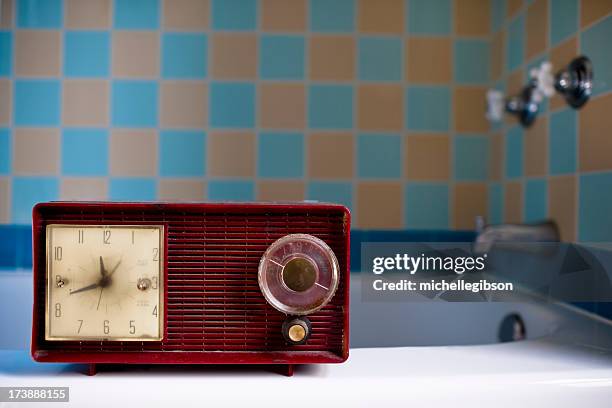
(297, 333)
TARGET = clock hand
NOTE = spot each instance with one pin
(102, 269)
(100, 297)
(88, 287)
(114, 269)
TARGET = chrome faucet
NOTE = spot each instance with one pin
(514, 236)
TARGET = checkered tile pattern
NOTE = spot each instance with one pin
(374, 104)
(561, 167)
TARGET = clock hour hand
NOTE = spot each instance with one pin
(86, 288)
(102, 269)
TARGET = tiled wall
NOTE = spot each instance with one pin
(561, 167)
(377, 104)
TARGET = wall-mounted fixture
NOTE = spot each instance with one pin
(525, 105)
(575, 82)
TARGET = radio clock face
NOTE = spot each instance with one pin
(104, 282)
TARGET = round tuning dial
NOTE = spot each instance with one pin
(298, 274)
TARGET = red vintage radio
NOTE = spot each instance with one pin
(197, 283)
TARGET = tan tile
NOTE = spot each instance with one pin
(330, 155)
(595, 143)
(282, 105)
(380, 107)
(515, 82)
(562, 205)
(428, 60)
(428, 157)
(234, 56)
(332, 57)
(513, 202)
(469, 105)
(472, 17)
(593, 10)
(186, 15)
(280, 190)
(5, 200)
(88, 14)
(85, 102)
(536, 148)
(497, 55)
(84, 188)
(537, 28)
(496, 157)
(133, 153)
(560, 57)
(135, 54)
(184, 104)
(36, 151)
(512, 7)
(231, 154)
(37, 53)
(470, 200)
(379, 205)
(283, 15)
(6, 98)
(7, 8)
(381, 16)
(181, 190)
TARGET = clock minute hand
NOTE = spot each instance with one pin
(86, 288)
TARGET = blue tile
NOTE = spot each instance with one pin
(232, 105)
(562, 141)
(86, 54)
(496, 203)
(536, 198)
(379, 156)
(595, 201)
(238, 15)
(184, 55)
(498, 11)
(37, 103)
(6, 53)
(471, 158)
(331, 192)
(5, 151)
(427, 206)
(515, 43)
(231, 190)
(281, 57)
(134, 104)
(380, 59)
(39, 13)
(563, 20)
(330, 106)
(132, 189)
(428, 108)
(514, 152)
(472, 61)
(280, 155)
(593, 45)
(137, 14)
(182, 153)
(28, 191)
(85, 152)
(429, 17)
(332, 16)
